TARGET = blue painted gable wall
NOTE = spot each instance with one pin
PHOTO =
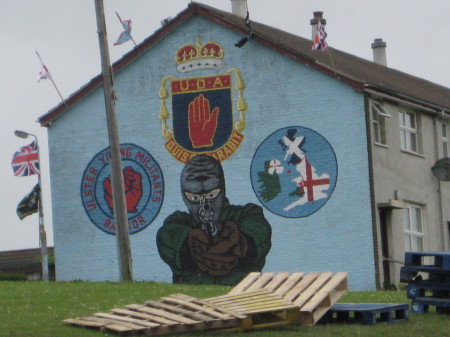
(280, 93)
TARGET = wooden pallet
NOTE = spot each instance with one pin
(260, 300)
(305, 297)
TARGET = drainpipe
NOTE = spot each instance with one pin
(438, 184)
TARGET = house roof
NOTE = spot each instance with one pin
(364, 75)
(24, 258)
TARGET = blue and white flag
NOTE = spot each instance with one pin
(126, 34)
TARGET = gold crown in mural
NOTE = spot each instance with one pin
(199, 56)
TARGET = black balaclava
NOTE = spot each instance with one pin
(203, 189)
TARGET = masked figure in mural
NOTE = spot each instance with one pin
(215, 242)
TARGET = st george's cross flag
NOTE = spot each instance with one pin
(126, 34)
(44, 73)
(319, 42)
(25, 162)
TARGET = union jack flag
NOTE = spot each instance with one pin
(319, 38)
(25, 162)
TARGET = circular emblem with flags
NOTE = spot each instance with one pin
(294, 172)
(143, 183)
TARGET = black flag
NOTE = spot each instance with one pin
(29, 203)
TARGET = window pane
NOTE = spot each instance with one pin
(407, 243)
(383, 131)
(412, 120)
(406, 219)
(376, 132)
(413, 142)
(380, 110)
(407, 120)
(444, 140)
(403, 139)
(375, 115)
(419, 244)
(416, 244)
(413, 219)
(418, 220)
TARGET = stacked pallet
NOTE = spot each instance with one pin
(258, 301)
(428, 278)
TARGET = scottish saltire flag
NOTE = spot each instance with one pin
(126, 34)
(29, 204)
(25, 162)
(319, 42)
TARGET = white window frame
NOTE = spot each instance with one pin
(413, 228)
(379, 113)
(444, 140)
(409, 131)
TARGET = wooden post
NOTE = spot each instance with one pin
(115, 164)
(42, 233)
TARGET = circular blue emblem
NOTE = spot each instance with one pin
(143, 183)
(294, 172)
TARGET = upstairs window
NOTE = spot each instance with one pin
(444, 140)
(408, 131)
(413, 228)
(379, 114)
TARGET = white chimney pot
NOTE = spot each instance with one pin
(314, 22)
(238, 7)
(379, 52)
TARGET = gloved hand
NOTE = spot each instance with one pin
(217, 255)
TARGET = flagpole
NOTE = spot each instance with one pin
(51, 78)
(119, 201)
(332, 62)
(42, 233)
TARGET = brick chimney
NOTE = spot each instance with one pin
(379, 52)
(239, 8)
(315, 21)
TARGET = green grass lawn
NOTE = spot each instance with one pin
(37, 309)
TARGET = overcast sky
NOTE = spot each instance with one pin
(417, 33)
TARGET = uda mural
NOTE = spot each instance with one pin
(294, 172)
(202, 107)
(144, 189)
(215, 242)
